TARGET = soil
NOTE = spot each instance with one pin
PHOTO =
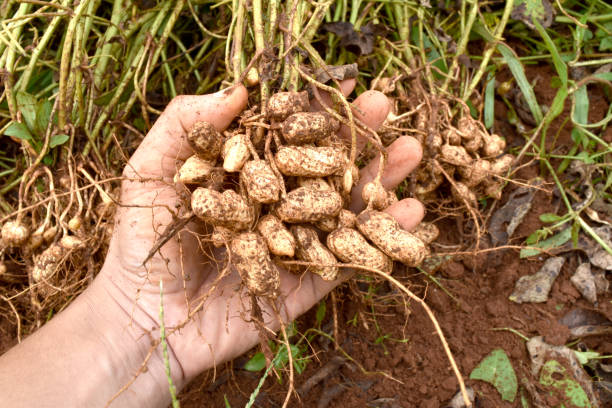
(397, 358)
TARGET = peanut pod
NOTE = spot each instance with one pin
(310, 249)
(307, 205)
(251, 258)
(226, 209)
(235, 153)
(261, 183)
(308, 127)
(385, 232)
(205, 140)
(283, 104)
(195, 170)
(310, 161)
(278, 238)
(350, 246)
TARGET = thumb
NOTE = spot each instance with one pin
(166, 142)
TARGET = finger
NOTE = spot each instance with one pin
(409, 212)
(166, 142)
(371, 108)
(403, 156)
(346, 87)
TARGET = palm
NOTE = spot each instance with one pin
(189, 268)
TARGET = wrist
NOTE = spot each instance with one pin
(128, 340)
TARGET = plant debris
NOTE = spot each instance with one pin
(535, 288)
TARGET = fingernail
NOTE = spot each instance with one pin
(224, 93)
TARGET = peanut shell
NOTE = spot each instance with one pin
(205, 140)
(278, 238)
(310, 161)
(261, 183)
(283, 104)
(235, 153)
(351, 247)
(310, 249)
(307, 205)
(251, 258)
(385, 232)
(308, 127)
(195, 170)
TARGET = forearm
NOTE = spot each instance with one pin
(82, 358)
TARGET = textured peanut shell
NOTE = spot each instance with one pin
(426, 232)
(308, 127)
(310, 161)
(350, 246)
(455, 155)
(385, 232)
(314, 183)
(346, 219)
(494, 190)
(235, 153)
(194, 170)
(221, 236)
(493, 145)
(476, 173)
(15, 233)
(310, 249)
(205, 140)
(226, 209)
(283, 104)
(251, 258)
(261, 183)
(374, 194)
(307, 205)
(47, 263)
(501, 166)
(462, 193)
(278, 238)
(327, 224)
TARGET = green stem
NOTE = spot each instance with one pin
(24, 80)
(489, 53)
(128, 73)
(164, 345)
(465, 36)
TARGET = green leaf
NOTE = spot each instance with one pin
(553, 242)
(227, 404)
(605, 44)
(529, 11)
(256, 363)
(43, 114)
(497, 370)
(557, 61)
(489, 101)
(550, 217)
(554, 375)
(581, 106)
(58, 140)
(321, 310)
(518, 72)
(26, 104)
(18, 130)
(585, 356)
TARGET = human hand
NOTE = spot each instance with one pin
(220, 331)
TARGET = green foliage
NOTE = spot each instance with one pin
(556, 376)
(497, 370)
